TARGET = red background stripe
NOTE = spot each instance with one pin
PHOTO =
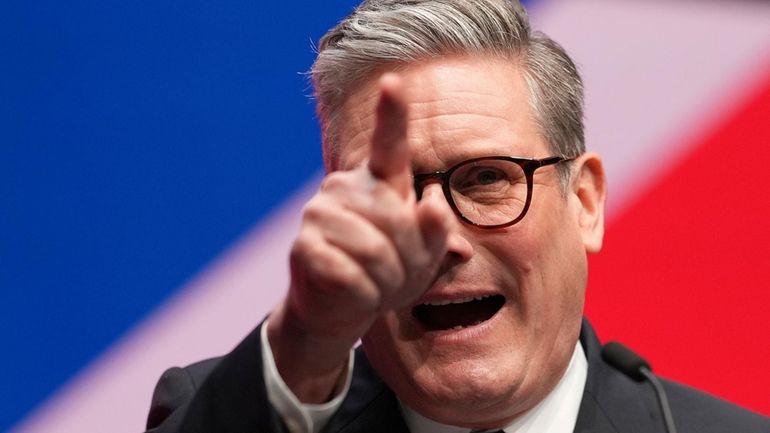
(684, 277)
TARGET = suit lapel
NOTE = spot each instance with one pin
(613, 403)
(591, 417)
(229, 399)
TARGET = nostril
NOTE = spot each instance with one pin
(459, 250)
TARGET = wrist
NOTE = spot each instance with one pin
(313, 366)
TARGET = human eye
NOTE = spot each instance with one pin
(486, 177)
(482, 177)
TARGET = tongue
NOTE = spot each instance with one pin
(440, 317)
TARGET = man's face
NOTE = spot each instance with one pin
(488, 373)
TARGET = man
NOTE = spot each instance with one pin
(450, 236)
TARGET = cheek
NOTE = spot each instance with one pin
(548, 265)
(551, 241)
(562, 270)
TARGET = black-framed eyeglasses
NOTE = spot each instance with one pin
(489, 192)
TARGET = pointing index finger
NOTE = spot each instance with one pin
(389, 159)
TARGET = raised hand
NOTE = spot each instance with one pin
(365, 247)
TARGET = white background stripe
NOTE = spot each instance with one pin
(657, 74)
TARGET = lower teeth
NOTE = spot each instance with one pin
(454, 328)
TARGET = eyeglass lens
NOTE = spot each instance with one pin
(489, 192)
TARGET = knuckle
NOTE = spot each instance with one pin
(327, 273)
(336, 180)
(375, 250)
(305, 251)
(313, 210)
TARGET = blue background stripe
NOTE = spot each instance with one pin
(139, 139)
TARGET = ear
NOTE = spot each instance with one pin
(589, 186)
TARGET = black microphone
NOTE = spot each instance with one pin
(635, 367)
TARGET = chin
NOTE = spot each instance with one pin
(466, 393)
(467, 377)
(468, 408)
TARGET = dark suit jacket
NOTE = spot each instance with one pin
(227, 395)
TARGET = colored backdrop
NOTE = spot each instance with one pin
(155, 156)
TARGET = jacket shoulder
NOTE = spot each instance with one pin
(697, 411)
(615, 403)
(176, 387)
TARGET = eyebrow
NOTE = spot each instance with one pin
(462, 157)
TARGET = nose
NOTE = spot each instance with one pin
(432, 192)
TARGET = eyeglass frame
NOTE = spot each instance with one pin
(528, 165)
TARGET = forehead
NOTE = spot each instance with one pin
(458, 108)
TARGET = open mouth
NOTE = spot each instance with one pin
(458, 313)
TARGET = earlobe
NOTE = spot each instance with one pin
(590, 187)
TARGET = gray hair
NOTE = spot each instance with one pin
(390, 33)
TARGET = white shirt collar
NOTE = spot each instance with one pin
(556, 413)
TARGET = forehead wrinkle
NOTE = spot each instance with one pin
(465, 135)
(449, 100)
(476, 112)
(446, 122)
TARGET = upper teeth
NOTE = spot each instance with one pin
(457, 301)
